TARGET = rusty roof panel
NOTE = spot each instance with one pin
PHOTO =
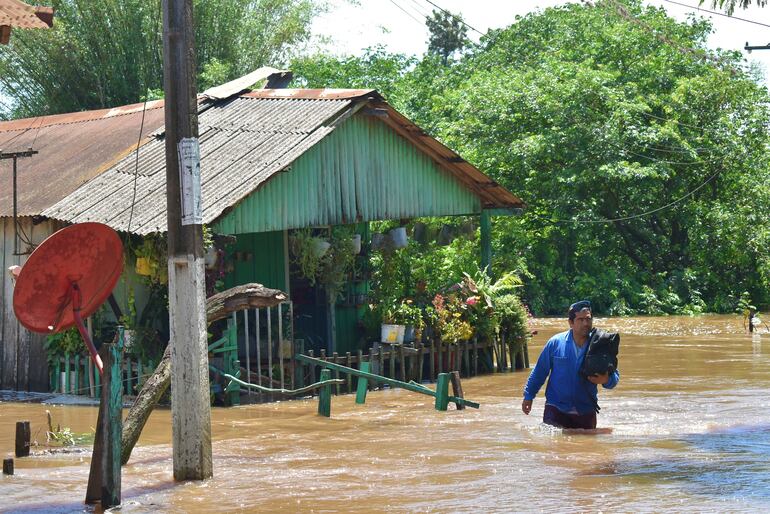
(73, 149)
(244, 141)
(15, 13)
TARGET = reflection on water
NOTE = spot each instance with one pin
(691, 433)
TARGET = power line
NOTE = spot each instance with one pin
(458, 18)
(699, 54)
(407, 12)
(420, 9)
(641, 214)
(718, 13)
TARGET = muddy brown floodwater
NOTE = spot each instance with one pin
(691, 433)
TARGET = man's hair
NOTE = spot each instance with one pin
(577, 307)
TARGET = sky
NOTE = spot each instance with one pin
(353, 25)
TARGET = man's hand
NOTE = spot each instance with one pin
(599, 379)
(526, 406)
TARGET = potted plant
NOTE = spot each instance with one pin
(410, 315)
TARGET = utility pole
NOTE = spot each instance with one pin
(15, 156)
(190, 407)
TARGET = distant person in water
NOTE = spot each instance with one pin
(570, 400)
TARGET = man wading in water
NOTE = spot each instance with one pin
(570, 400)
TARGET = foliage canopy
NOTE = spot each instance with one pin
(641, 155)
(104, 53)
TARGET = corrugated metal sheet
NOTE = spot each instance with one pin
(373, 171)
(360, 172)
(244, 141)
(73, 149)
(258, 258)
(15, 13)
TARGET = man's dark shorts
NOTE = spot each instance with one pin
(557, 418)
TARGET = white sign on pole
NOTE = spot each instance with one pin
(190, 181)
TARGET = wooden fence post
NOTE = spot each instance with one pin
(363, 383)
(325, 395)
(442, 391)
(22, 438)
(457, 388)
(105, 475)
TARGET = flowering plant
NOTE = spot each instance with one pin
(448, 318)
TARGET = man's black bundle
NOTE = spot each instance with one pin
(602, 354)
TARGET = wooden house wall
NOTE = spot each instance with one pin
(23, 365)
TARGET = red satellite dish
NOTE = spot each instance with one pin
(67, 278)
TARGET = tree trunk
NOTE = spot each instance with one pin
(219, 306)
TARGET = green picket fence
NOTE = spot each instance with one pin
(76, 374)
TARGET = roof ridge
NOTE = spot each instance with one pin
(83, 119)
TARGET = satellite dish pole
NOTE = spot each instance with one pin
(190, 407)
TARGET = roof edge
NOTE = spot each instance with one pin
(313, 94)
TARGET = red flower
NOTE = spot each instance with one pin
(471, 300)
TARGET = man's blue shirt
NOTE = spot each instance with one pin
(566, 390)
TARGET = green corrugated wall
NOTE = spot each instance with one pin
(258, 258)
(362, 171)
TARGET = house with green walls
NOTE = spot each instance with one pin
(278, 160)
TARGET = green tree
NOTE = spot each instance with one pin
(590, 115)
(448, 34)
(730, 5)
(103, 53)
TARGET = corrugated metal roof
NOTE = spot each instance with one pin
(244, 141)
(14, 13)
(73, 149)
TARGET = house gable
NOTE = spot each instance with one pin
(362, 171)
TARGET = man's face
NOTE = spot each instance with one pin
(582, 323)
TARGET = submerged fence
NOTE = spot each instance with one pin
(76, 374)
(261, 350)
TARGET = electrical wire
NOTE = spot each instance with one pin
(717, 13)
(641, 214)
(701, 55)
(420, 9)
(407, 13)
(456, 17)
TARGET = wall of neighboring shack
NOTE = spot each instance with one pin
(23, 365)
(362, 171)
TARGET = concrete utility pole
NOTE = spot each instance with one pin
(190, 407)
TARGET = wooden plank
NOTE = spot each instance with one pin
(363, 383)
(432, 360)
(10, 334)
(7, 466)
(475, 357)
(417, 388)
(67, 384)
(420, 363)
(392, 361)
(349, 363)
(113, 428)
(457, 388)
(466, 359)
(77, 374)
(22, 438)
(402, 362)
(336, 360)
(442, 391)
(325, 395)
